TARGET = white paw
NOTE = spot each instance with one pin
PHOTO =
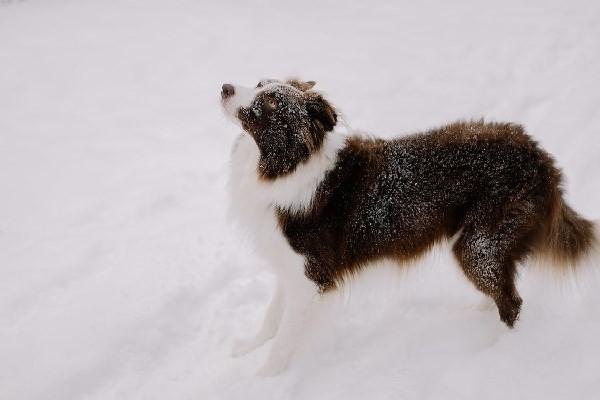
(486, 304)
(274, 365)
(244, 346)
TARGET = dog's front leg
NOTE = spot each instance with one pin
(299, 295)
(269, 326)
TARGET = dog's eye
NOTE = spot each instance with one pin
(270, 104)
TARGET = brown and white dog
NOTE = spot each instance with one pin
(320, 204)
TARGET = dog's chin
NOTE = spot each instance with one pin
(231, 111)
(233, 118)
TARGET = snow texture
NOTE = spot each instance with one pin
(120, 276)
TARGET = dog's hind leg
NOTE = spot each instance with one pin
(299, 297)
(269, 326)
(488, 250)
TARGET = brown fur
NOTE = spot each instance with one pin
(395, 199)
(488, 183)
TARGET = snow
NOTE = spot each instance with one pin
(120, 276)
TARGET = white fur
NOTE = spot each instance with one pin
(243, 97)
(295, 191)
(253, 204)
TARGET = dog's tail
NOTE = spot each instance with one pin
(569, 237)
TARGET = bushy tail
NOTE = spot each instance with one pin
(569, 236)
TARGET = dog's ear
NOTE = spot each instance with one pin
(321, 112)
(301, 85)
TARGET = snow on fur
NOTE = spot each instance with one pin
(120, 276)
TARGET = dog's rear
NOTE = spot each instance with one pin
(564, 237)
(569, 237)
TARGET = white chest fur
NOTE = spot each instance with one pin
(253, 201)
(253, 205)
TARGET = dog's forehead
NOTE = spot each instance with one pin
(266, 81)
(281, 89)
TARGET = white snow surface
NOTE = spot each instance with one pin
(120, 276)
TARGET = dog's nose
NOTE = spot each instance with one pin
(227, 90)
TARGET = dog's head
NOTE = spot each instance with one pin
(287, 121)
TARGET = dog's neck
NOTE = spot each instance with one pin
(293, 192)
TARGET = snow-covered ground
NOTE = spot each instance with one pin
(120, 278)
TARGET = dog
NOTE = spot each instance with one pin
(321, 204)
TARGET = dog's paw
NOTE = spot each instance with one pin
(242, 347)
(486, 304)
(274, 365)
